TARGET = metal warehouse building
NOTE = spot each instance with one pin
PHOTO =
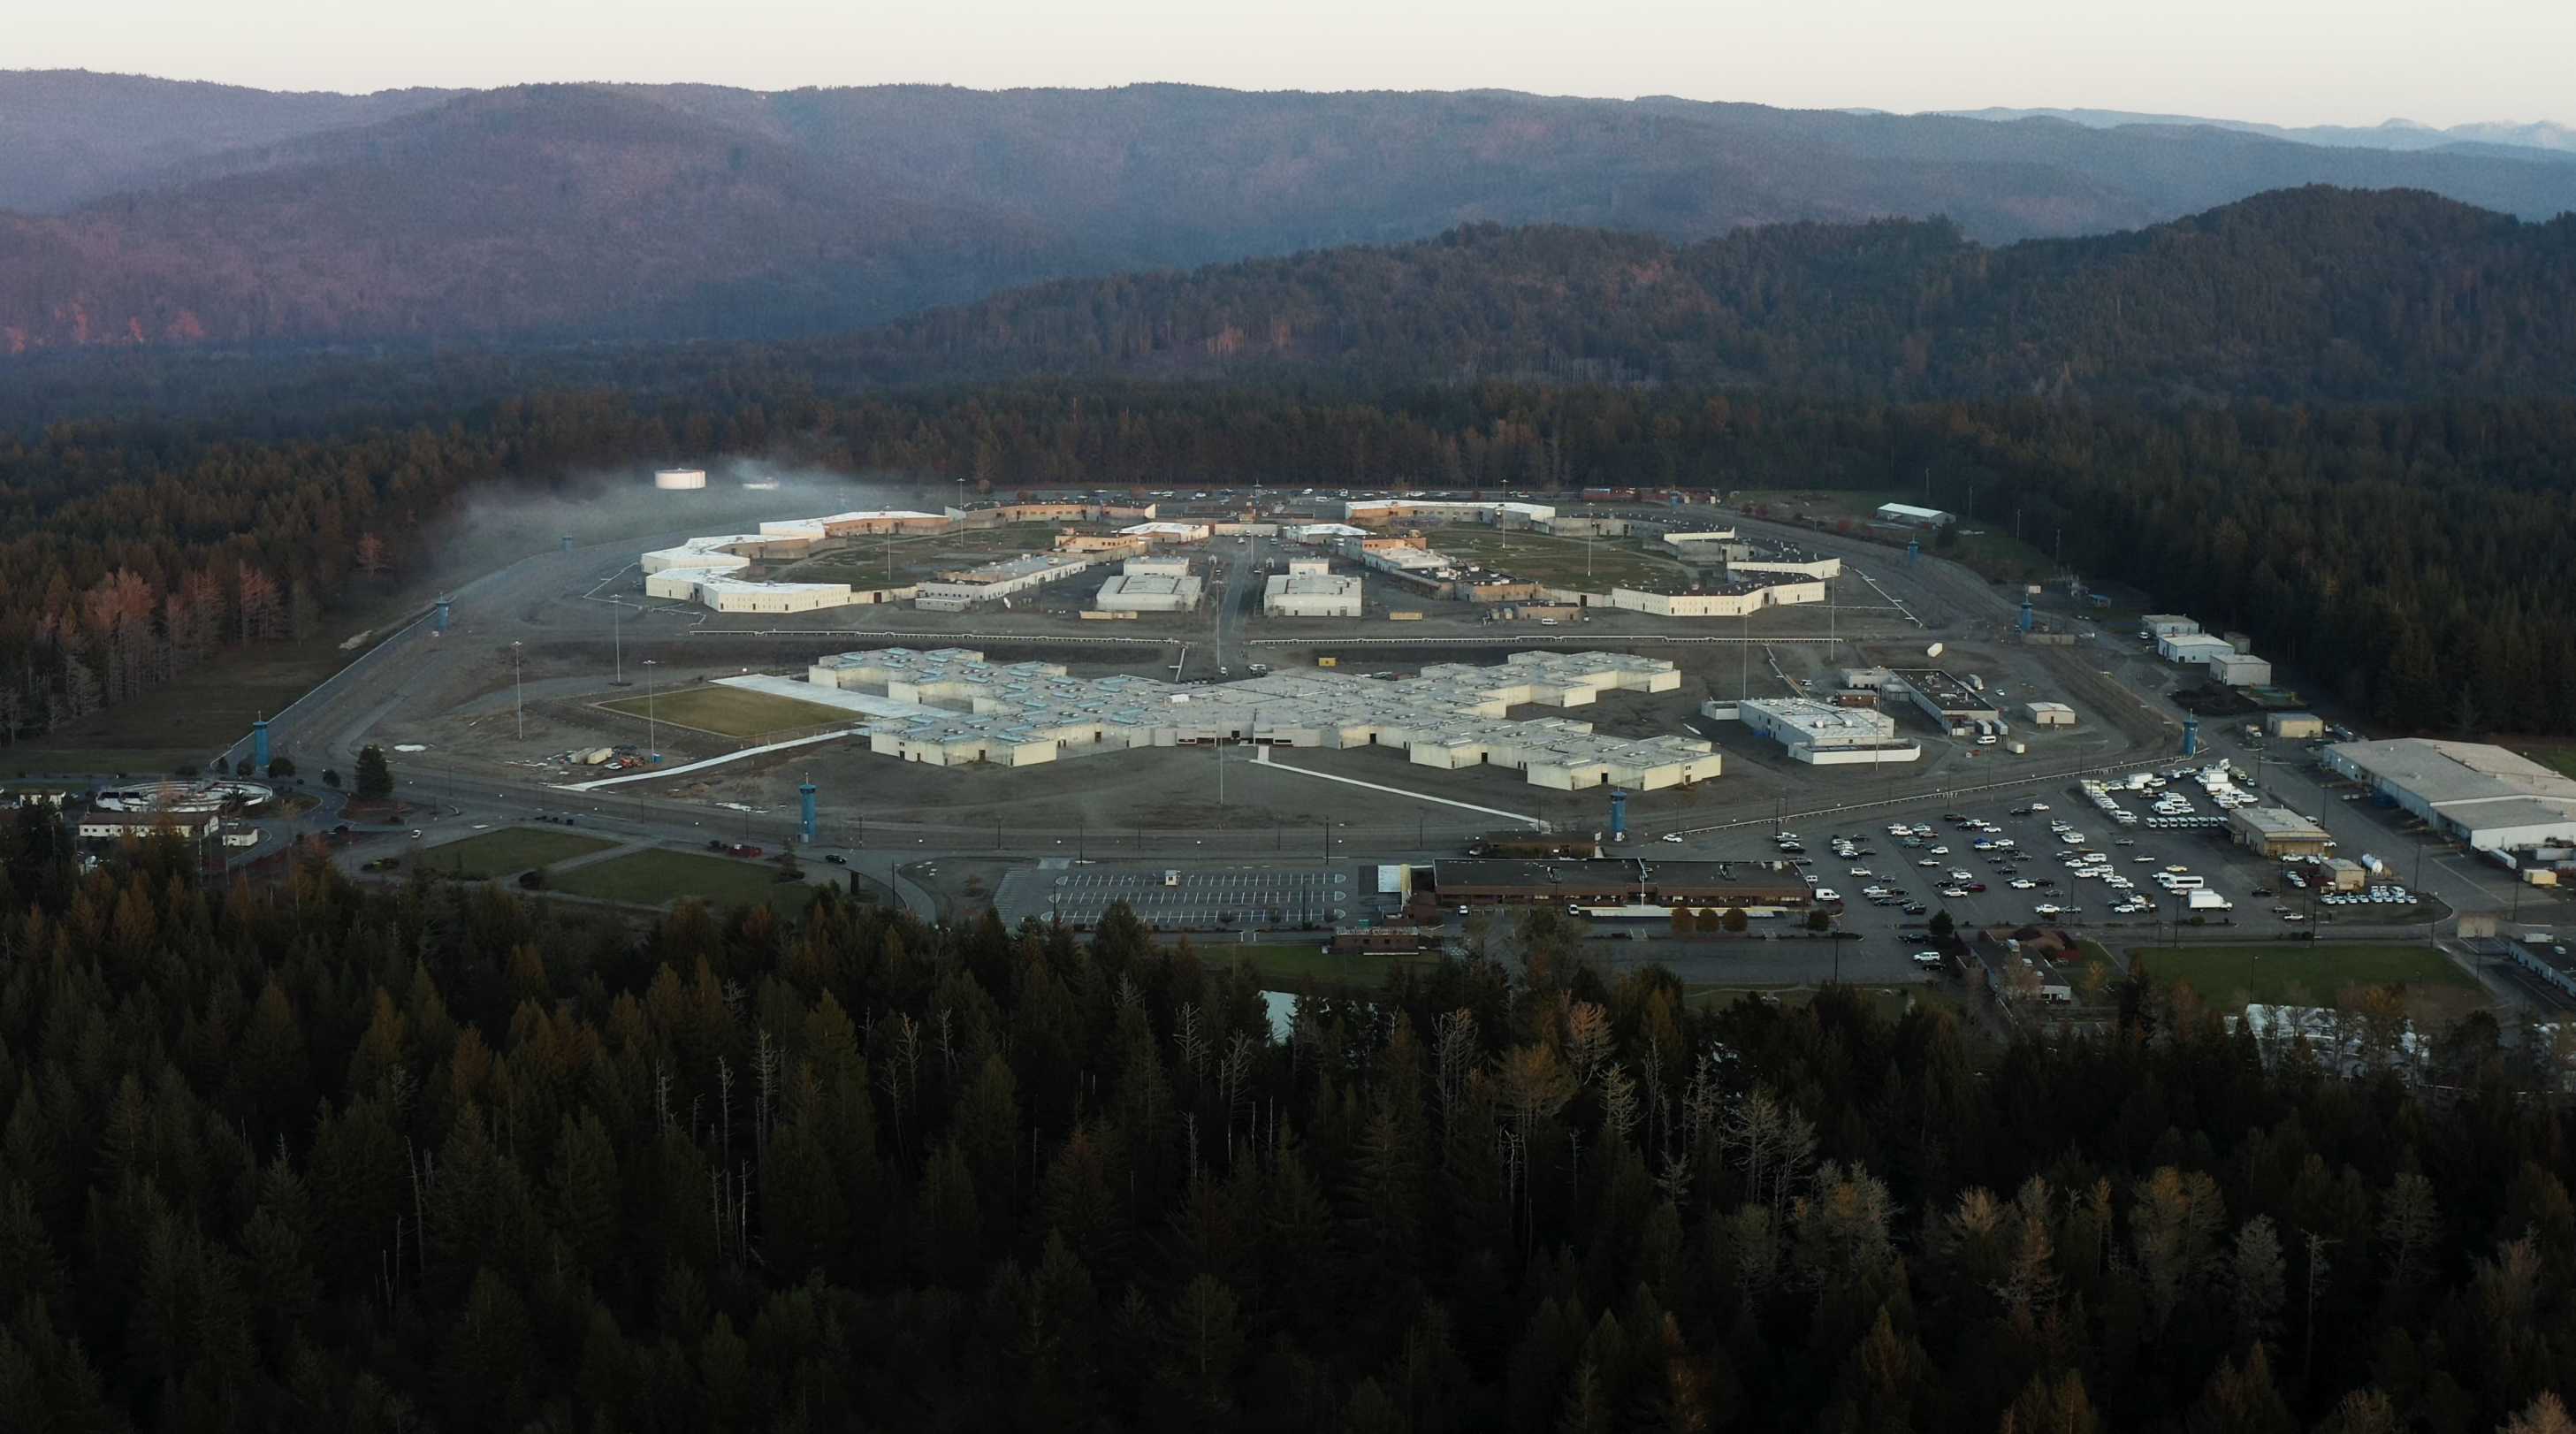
(2278, 831)
(1820, 733)
(2471, 792)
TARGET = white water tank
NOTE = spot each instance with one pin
(673, 480)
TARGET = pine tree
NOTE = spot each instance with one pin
(485, 1368)
(375, 778)
(583, 1193)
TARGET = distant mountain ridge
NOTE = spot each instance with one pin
(595, 211)
(2544, 137)
(2296, 295)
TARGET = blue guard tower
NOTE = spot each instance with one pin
(2191, 736)
(805, 811)
(259, 744)
(1618, 814)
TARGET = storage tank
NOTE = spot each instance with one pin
(674, 480)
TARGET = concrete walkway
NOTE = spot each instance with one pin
(1261, 758)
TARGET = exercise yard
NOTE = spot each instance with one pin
(1559, 562)
(905, 559)
(659, 877)
(2296, 973)
(507, 852)
(731, 711)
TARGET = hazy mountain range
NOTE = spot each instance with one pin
(148, 211)
(2541, 140)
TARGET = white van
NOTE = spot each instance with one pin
(2183, 883)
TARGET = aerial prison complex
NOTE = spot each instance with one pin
(951, 706)
(719, 571)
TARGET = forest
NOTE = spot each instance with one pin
(438, 1157)
(2407, 559)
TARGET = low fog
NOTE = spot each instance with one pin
(496, 526)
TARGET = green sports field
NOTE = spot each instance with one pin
(659, 877)
(507, 852)
(731, 711)
(2296, 972)
(1559, 562)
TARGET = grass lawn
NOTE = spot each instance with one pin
(1558, 562)
(659, 877)
(731, 711)
(510, 850)
(2315, 975)
(2562, 759)
(863, 563)
(1283, 965)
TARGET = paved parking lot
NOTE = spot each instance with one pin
(1179, 898)
(1919, 864)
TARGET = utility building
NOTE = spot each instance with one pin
(1150, 585)
(1310, 588)
(1908, 514)
(1822, 734)
(2278, 831)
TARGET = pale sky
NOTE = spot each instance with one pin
(2289, 62)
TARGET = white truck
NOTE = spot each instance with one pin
(2203, 899)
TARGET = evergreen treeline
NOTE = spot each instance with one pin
(2411, 559)
(438, 1158)
(2305, 295)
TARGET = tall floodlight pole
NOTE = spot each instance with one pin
(518, 693)
(617, 643)
(652, 738)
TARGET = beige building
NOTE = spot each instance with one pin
(2277, 831)
(1310, 588)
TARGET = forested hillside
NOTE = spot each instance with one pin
(142, 212)
(437, 1158)
(2312, 294)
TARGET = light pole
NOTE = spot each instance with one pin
(617, 644)
(518, 694)
(652, 738)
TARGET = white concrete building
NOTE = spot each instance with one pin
(993, 582)
(1381, 511)
(1917, 517)
(1167, 532)
(2050, 714)
(1822, 734)
(1322, 534)
(1150, 585)
(1697, 541)
(1760, 567)
(2193, 649)
(679, 480)
(1310, 589)
(2240, 669)
(951, 706)
(2471, 792)
(2166, 624)
(1728, 600)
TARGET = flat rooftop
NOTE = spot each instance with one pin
(1450, 715)
(2279, 823)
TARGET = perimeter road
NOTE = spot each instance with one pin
(686, 767)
